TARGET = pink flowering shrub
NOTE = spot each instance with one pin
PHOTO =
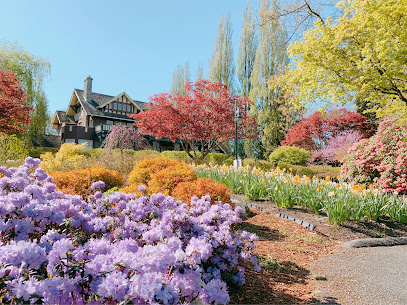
(336, 149)
(380, 160)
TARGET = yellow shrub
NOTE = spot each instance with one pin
(143, 169)
(79, 181)
(201, 187)
(165, 180)
(68, 157)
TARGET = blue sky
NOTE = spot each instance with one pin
(131, 46)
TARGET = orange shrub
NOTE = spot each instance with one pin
(142, 170)
(79, 181)
(167, 179)
(201, 187)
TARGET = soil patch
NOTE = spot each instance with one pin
(287, 249)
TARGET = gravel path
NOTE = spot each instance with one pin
(376, 275)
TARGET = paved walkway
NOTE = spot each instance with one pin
(376, 275)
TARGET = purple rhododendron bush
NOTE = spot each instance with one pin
(116, 248)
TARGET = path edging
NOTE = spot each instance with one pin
(375, 242)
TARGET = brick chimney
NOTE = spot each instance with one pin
(88, 89)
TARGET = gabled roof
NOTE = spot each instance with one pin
(63, 118)
(101, 99)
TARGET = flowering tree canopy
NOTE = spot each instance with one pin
(123, 137)
(14, 110)
(203, 117)
(315, 131)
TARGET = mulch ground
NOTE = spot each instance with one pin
(287, 249)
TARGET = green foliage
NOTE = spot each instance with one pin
(145, 154)
(216, 158)
(31, 70)
(176, 155)
(38, 151)
(222, 65)
(12, 151)
(380, 160)
(273, 108)
(289, 154)
(339, 201)
(360, 55)
(285, 166)
(68, 157)
(229, 161)
(319, 171)
(179, 77)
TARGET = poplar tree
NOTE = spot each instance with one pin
(248, 44)
(271, 106)
(222, 66)
(31, 70)
(179, 77)
(199, 73)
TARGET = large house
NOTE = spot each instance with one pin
(90, 117)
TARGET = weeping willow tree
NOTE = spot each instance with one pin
(31, 70)
(272, 105)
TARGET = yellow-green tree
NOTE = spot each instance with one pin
(272, 107)
(222, 65)
(360, 56)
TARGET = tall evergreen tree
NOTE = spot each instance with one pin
(247, 54)
(222, 65)
(31, 70)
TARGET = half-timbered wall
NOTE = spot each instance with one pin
(121, 106)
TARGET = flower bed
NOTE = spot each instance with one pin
(340, 201)
(59, 249)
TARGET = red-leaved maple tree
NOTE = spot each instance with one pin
(202, 118)
(314, 132)
(14, 109)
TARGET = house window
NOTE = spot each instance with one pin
(117, 123)
(70, 141)
(115, 106)
(89, 143)
(109, 122)
(120, 106)
(128, 108)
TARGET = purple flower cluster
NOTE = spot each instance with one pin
(59, 249)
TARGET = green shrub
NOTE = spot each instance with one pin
(216, 158)
(262, 164)
(305, 171)
(67, 158)
(286, 166)
(38, 151)
(12, 151)
(319, 171)
(176, 155)
(229, 161)
(140, 155)
(289, 154)
(249, 162)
